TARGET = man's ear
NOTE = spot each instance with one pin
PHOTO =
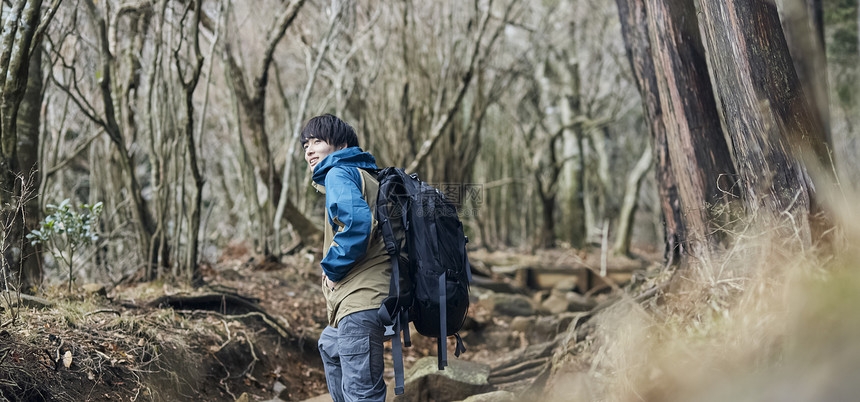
(342, 146)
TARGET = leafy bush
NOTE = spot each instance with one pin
(65, 231)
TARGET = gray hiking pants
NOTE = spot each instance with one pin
(352, 357)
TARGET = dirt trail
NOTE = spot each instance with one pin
(252, 329)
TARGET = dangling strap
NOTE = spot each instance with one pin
(391, 313)
(468, 270)
(404, 320)
(397, 357)
(390, 306)
(461, 347)
(389, 310)
(443, 327)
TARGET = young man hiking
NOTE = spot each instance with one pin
(355, 265)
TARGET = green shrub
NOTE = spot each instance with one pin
(65, 231)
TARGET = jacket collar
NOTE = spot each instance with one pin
(347, 157)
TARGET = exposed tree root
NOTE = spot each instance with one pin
(220, 305)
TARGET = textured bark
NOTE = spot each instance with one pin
(29, 118)
(252, 102)
(577, 200)
(189, 86)
(772, 127)
(547, 191)
(627, 214)
(803, 27)
(16, 40)
(477, 59)
(634, 28)
(700, 156)
(146, 226)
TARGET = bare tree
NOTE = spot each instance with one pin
(700, 156)
(293, 139)
(430, 55)
(442, 118)
(803, 26)
(251, 99)
(629, 204)
(19, 43)
(188, 86)
(152, 243)
(635, 30)
(774, 133)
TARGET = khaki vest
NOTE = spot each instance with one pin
(368, 282)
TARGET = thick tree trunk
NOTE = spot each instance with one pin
(16, 40)
(18, 31)
(547, 187)
(192, 269)
(252, 102)
(772, 127)
(700, 157)
(152, 243)
(634, 29)
(546, 238)
(571, 108)
(803, 27)
(579, 233)
(28, 127)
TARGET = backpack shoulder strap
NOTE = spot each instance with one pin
(391, 313)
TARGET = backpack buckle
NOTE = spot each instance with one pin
(389, 330)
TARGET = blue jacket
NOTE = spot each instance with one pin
(346, 207)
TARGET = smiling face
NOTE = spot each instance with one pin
(317, 149)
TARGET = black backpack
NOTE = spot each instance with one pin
(430, 271)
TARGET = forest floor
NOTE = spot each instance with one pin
(248, 334)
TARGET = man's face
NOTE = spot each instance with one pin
(317, 149)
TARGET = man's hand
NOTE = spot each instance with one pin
(328, 283)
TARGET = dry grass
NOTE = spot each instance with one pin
(122, 348)
(765, 320)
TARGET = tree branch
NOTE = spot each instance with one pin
(476, 58)
(80, 148)
(40, 30)
(284, 21)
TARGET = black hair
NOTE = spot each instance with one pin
(330, 129)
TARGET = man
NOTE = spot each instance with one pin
(355, 265)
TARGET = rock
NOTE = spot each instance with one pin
(26, 301)
(478, 293)
(495, 396)
(510, 305)
(565, 319)
(522, 324)
(94, 289)
(560, 301)
(460, 380)
(579, 302)
(567, 285)
(472, 324)
(555, 303)
(230, 275)
(539, 296)
(500, 339)
(544, 329)
(326, 398)
(493, 285)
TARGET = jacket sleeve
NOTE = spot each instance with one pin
(351, 220)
